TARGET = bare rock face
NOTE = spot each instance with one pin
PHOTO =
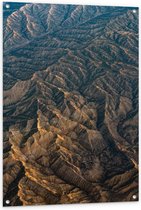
(70, 104)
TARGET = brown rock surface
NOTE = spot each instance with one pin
(70, 104)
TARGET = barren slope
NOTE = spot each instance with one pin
(70, 104)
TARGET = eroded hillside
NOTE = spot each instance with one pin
(70, 104)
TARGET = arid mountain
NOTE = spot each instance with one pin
(70, 104)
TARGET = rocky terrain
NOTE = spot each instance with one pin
(70, 104)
